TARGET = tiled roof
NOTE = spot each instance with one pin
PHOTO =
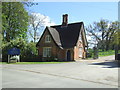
(66, 36)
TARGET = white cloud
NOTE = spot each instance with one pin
(35, 19)
(45, 20)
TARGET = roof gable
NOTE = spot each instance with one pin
(69, 34)
(66, 36)
(54, 35)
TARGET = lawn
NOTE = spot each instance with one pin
(33, 63)
(106, 53)
(102, 53)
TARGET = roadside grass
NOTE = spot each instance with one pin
(33, 63)
(102, 53)
(106, 53)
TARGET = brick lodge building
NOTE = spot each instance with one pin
(65, 42)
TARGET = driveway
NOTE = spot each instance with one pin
(101, 73)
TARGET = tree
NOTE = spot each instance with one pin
(117, 35)
(26, 49)
(117, 41)
(29, 4)
(113, 28)
(102, 32)
(14, 20)
(14, 28)
(35, 23)
(1, 37)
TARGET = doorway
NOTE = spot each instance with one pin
(68, 55)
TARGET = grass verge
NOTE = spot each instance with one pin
(33, 63)
(107, 53)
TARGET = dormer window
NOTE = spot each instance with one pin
(47, 39)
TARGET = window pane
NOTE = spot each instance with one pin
(46, 51)
(47, 38)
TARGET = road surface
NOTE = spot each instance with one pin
(102, 73)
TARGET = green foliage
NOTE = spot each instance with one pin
(30, 49)
(102, 33)
(26, 49)
(14, 29)
(14, 20)
(1, 37)
(101, 53)
(106, 53)
(117, 36)
(35, 63)
(90, 53)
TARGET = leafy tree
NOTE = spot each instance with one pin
(14, 20)
(102, 33)
(113, 28)
(15, 27)
(117, 35)
(117, 41)
(1, 37)
(26, 49)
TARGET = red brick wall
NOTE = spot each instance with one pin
(76, 51)
(61, 54)
(52, 44)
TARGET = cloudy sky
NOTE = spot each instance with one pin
(88, 12)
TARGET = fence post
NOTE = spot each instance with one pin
(8, 58)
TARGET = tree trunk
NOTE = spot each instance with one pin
(107, 44)
(103, 47)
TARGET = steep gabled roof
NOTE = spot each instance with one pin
(69, 34)
(66, 36)
(55, 35)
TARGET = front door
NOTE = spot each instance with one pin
(68, 55)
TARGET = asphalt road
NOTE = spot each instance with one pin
(81, 74)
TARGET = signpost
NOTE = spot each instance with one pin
(13, 51)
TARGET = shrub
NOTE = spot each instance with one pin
(32, 58)
(27, 49)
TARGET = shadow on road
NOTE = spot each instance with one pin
(108, 64)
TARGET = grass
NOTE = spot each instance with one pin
(106, 53)
(103, 53)
(33, 62)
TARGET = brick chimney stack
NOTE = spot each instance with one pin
(65, 20)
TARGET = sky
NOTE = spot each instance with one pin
(88, 12)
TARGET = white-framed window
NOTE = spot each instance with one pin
(47, 39)
(80, 52)
(46, 51)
